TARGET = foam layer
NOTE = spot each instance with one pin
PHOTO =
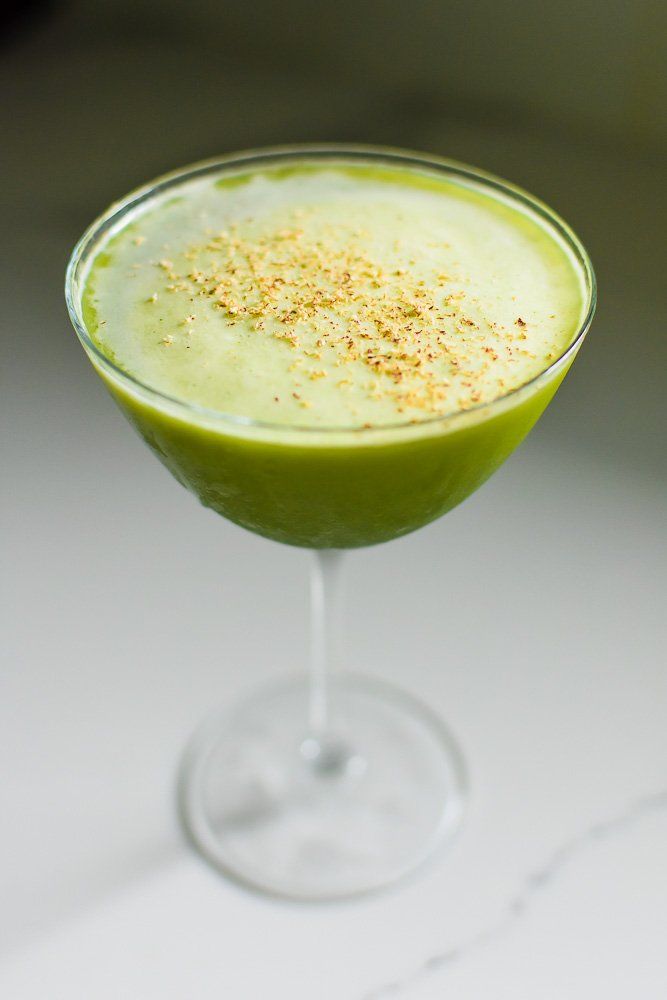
(333, 296)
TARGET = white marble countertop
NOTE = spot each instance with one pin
(534, 621)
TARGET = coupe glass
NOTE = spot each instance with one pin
(326, 784)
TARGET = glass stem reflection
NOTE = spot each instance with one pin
(325, 606)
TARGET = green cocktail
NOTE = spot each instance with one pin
(455, 296)
(330, 348)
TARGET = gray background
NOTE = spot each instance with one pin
(532, 617)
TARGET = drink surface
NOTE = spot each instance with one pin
(333, 295)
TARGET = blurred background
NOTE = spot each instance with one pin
(128, 612)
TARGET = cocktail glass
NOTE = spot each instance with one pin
(325, 785)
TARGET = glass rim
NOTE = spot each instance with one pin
(271, 156)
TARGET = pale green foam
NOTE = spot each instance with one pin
(512, 279)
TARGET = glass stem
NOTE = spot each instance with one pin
(325, 599)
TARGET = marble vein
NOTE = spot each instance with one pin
(518, 905)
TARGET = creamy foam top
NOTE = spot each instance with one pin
(333, 296)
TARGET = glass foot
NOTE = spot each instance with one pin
(322, 818)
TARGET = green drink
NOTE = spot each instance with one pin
(330, 348)
(338, 353)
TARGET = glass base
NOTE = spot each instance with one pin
(317, 819)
